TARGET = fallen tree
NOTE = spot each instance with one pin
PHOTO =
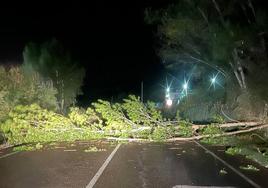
(131, 119)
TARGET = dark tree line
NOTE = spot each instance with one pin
(224, 37)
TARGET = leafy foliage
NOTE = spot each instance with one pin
(85, 118)
(139, 113)
(249, 167)
(212, 130)
(185, 129)
(31, 123)
(29, 147)
(250, 153)
(93, 149)
(113, 115)
(218, 119)
(17, 87)
(161, 133)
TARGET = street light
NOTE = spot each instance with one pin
(213, 80)
(185, 86)
(168, 89)
(169, 102)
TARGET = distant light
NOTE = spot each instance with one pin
(213, 80)
(168, 89)
(185, 86)
(169, 102)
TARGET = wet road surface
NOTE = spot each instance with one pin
(132, 165)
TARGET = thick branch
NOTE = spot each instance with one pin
(229, 125)
(219, 135)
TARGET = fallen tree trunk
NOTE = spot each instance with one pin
(230, 125)
(219, 135)
(128, 139)
(240, 124)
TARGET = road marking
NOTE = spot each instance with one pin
(9, 154)
(191, 186)
(102, 168)
(229, 166)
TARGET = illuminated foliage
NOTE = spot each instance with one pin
(161, 133)
(31, 123)
(139, 113)
(185, 129)
(18, 87)
(85, 118)
(113, 115)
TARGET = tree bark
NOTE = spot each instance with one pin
(219, 135)
(238, 70)
(236, 75)
(230, 125)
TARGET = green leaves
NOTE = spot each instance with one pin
(141, 114)
(131, 118)
(85, 118)
(31, 123)
(18, 87)
(112, 114)
(135, 110)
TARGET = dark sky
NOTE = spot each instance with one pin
(109, 38)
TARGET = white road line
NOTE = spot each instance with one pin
(190, 186)
(102, 168)
(9, 154)
(230, 166)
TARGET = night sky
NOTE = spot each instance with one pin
(108, 38)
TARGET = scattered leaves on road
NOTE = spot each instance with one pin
(249, 167)
(94, 149)
(223, 171)
(69, 150)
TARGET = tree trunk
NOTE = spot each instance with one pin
(220, 135)
(238, 70)
(236, 75)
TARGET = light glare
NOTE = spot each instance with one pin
(213, 80)
(185, 86)
(169, 102)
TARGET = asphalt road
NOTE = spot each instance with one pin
(126, 165)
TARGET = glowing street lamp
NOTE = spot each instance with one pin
(185, 86)
(168, 89)
(213, 80)
(169, 102)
